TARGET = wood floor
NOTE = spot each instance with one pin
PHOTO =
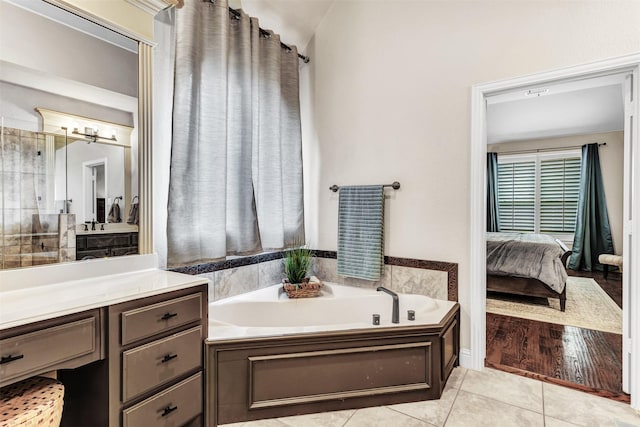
(566, 355)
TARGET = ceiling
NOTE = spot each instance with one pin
(295, 20)
(573, 108)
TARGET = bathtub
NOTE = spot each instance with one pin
(269, 312)
(268, 356)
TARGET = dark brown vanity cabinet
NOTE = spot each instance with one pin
(156, 354)
(153, 372)
(63, 343)
(90, 246)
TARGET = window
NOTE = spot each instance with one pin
(517, 195)
(539, 192)
(559, 191)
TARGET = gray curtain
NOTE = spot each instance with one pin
(236, 160)
(493, 214)
(593, 232)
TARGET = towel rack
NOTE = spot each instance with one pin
(395, 186)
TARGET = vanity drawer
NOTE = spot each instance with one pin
(51, 347)
(99, 241)
(172, 407)
(129, 250)
(93, 253)
(153, 319)
(158, 362)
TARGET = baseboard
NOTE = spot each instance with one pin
(466, 361)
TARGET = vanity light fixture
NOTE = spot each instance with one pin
(92, 134)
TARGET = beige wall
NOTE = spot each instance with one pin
(387, 97)
(611, 163)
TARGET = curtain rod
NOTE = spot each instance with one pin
(267, 34)
(544, 150)
(236, 14)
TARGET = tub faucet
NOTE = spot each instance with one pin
(395, 314)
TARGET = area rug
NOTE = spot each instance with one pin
(588, 306)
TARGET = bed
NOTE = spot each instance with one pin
(527, 264)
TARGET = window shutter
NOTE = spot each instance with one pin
(517, 196)
(559, 191)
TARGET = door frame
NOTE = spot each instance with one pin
(86, 165)
(477, 245)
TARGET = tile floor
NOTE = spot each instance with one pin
(475, 399)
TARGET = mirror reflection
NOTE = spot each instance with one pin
(68, 138)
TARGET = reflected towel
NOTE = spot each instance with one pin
(361, 232)
(133, 214)
(114, 213)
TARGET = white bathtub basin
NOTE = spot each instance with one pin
(269, 312)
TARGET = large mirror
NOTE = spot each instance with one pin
(69, 149)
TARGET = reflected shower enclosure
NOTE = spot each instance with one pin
(36, 226)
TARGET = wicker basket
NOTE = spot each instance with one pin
(32, 402)
(307, 289)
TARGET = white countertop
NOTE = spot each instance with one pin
(42, 301)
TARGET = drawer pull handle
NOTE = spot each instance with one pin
(169, 409)
(168, 316)
(7, 359)
(168, 357)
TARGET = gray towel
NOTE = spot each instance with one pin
(361, 232)
(114, 213)
(133, 212)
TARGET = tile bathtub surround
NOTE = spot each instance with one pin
(234, 281)
(238, 280)
(210, 267)
(437, 279)
(464, 404)
(450, 268)
(433, 283)
(270, 272)
(420, 281)
(433, 278)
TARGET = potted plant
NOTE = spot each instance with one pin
(297, 283)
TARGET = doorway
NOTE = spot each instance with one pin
(536, 137)
(94, 184)
(631, 243)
